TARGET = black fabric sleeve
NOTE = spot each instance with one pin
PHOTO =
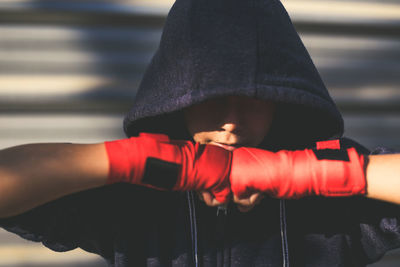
(379, 222)
(85, 219)
(375, 224)
(375, 228)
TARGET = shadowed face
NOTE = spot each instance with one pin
(230, 121)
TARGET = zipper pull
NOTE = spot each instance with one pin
(222, 212)
(221, 220)
(222, 209)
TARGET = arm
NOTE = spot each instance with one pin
(31, 175)
(383, 177)
(325, 171)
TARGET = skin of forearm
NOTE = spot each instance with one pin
(383, 177)
(31, 175)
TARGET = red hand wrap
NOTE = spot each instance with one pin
(293, 174)
(152, 159)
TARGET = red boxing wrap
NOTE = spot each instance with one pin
(326, 171)
(155, 161)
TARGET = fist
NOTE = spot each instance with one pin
(155, 161)
(294, 174)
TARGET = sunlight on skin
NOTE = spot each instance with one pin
(230, 122)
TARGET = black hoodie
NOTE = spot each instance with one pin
(212, 48)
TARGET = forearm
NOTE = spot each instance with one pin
(383, 177)
(31, 175)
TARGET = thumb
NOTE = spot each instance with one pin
(222, 195)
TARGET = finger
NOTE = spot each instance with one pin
(245, 201)
(209, 199)
(246, 204)
(254, 198)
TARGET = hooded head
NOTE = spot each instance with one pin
(212, 49)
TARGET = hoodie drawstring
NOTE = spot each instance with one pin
(193, 227)
(193, 230)
(285, 245)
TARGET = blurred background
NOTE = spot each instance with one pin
(69, 71)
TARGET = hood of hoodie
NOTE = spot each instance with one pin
(213, 48)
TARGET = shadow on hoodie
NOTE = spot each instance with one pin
(212, 48)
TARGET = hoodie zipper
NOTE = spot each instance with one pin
(285, 245)
(193, 228)
(222, 212)
(221, 220)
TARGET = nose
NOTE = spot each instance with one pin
(230, 119)
(229, 127)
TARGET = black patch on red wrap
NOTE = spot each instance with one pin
(160, 174)
(332, 154)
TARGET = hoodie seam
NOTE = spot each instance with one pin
(193, 228)
(284, 84)
(257, 48)
(314, 98)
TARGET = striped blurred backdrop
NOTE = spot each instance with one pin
(69, 71)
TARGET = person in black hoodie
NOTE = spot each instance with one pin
(234, 77)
